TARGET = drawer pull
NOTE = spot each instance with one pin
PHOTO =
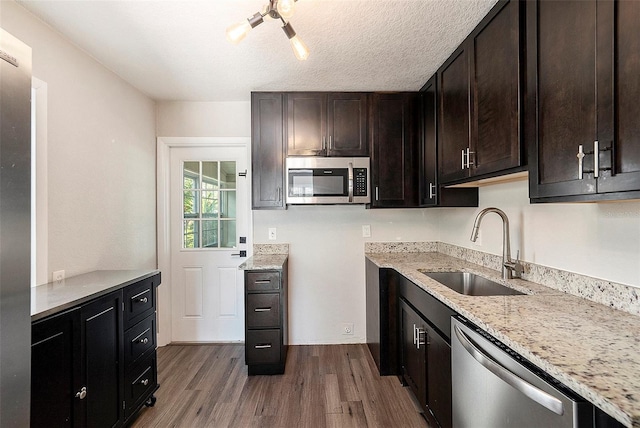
(263, 281)
(82, 393)
(266, 346)
(145, 382)
(262, 309)
(144, 341)
(143, 300)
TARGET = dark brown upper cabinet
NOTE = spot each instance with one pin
(267, 150)
(327, 124)
(431, 194)
(479, 118)
(395, 140)
(582, 100)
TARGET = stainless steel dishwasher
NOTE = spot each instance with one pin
(493, 387)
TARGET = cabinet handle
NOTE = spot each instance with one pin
(144, 341)
(415, 336)
(143, 300)
(263, 281)
(324, 143)
(330, 142)
(596, 159)
(463, 163)
(377, 194)
(145, 382)
(469, 153)
(82, 393)
(262, 309)
(580, 156)
(267, 346)
(432, 190)
(420, 333)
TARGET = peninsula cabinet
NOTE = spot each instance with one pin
(479, 132)
(395, 140)
(327, 124)
(582, 100)
(267, 150)
(95, 364)
(431, 193)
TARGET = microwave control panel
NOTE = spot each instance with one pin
(360, 182)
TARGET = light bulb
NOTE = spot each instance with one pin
(238, 31)
(299, 48)
(286, 8)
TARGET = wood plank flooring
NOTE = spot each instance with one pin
(323, 386)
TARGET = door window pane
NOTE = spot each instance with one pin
(209, 204)
(227, 233)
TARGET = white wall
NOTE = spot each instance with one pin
(326, 262)
(595, 239)
(204, 119)
(101, 156)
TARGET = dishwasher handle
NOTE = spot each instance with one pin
(539, 396)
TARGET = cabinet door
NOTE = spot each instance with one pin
(54, 366)
(102, 361)
(618, 115)
(561, 96)
(439, 376)
(429, 153)
(267, 150)
(495, 78)
(306, 124)
(453, 112)
(347, 124)
(414, 356)
(395, 148)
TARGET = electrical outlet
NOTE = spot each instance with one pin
(347, 328)
(58, 276)
(272, 234)
(366, 231)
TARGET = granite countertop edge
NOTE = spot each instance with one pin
(74, 291)
(265, 262)
(485, 312)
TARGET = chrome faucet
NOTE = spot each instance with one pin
(510, 268)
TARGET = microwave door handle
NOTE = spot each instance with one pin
(350, 181)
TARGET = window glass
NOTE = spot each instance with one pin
(209, 204)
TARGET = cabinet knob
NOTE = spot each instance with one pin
(145, 382)
(82, 393)
(144, 341)
(143, 300)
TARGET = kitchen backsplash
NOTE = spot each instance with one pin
(618, 296)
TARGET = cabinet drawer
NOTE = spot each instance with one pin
(140, 300)
(263, 346)
(139, 384)
(263, 310)
(259, 281)
(139, 339)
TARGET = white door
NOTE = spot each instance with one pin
(209, 215)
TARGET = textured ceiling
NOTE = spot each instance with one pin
(177, 50)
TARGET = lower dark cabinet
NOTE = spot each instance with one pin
(90, 367)
(425, 351)
(266, 329)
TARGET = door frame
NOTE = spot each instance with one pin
(163, 199)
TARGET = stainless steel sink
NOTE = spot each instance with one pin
(471, 284)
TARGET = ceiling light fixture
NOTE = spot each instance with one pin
(276, 9)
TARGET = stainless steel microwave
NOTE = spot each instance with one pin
(327, 180)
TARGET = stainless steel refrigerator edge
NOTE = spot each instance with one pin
(15, 231)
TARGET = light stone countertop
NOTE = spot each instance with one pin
(591, 348)
(51, 298)
(264, 262)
